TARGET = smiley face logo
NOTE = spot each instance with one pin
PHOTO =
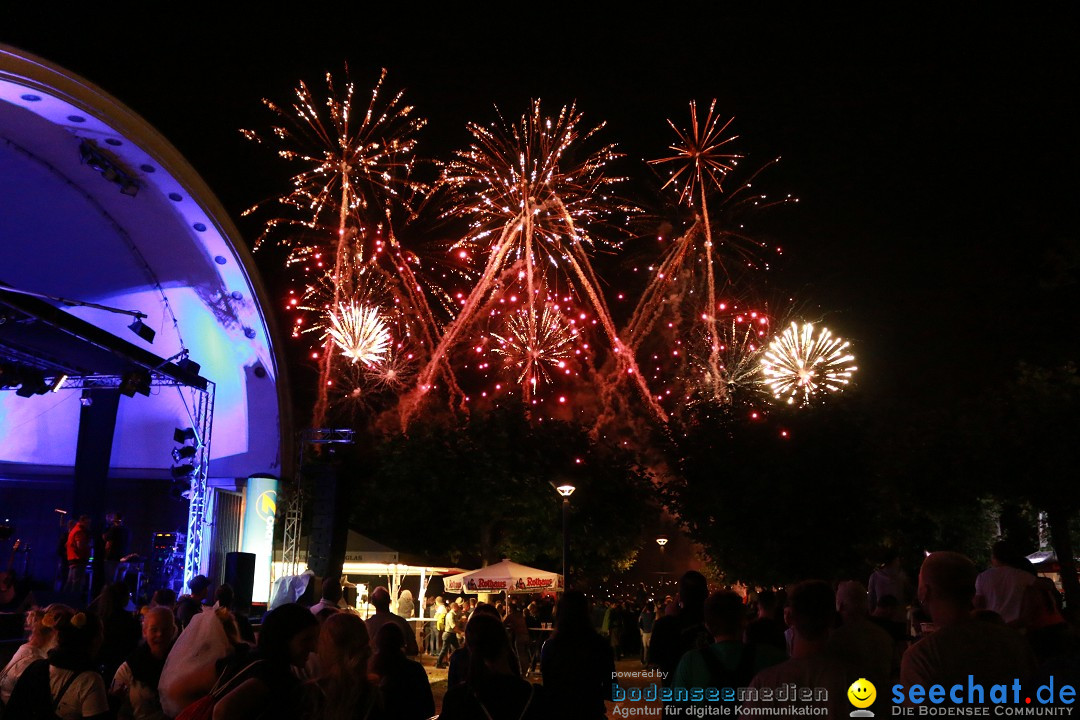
(862, 693)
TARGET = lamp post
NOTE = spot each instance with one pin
(661, 540)
(565, 490)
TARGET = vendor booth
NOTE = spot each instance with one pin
(369, 564)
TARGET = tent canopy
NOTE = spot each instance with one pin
(505, 576)
(365, 556)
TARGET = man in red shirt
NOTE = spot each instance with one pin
(78, 555)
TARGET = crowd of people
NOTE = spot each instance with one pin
(195, 657)
(505, 643)
(1001, 626)
(525, 622)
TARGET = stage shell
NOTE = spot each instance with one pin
(169, 250)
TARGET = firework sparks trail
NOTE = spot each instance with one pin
(701, 155)
(528, 202)
(800, 364)
(355, 181)
(702, 163)
(536, 345)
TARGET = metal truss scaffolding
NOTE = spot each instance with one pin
(200, 405)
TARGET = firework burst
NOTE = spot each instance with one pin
(742, 340)
(678, 357)
(359, 332)
(533, 204)
(533, 347)
(350, 164)
(361, 390)
(397, 368)
(701, 155)
(353, 190)
(687, 277)
(801, 364)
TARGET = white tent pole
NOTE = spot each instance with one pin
(423, 591)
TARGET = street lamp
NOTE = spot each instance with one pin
(661, 540)
(565, 490)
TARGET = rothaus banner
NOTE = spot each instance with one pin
(260, 509)
(511, 585)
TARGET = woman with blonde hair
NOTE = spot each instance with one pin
(42, 640)
(66, 685)
(344, 691)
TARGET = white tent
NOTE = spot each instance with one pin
(505, 576)
(366, 558)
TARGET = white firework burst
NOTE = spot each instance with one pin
(360, 333)
(800, 364)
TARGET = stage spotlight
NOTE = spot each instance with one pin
(86, 399)
(33, 383)
(189, 366)
(135, 381)
(183, 453)
(142, 330)
(183, 471)
(183, 436)
(57, 382)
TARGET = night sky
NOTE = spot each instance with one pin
(934, 156)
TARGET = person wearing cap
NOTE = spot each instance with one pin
(380, 599)
(188, 606)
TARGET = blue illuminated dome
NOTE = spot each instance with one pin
(96, 206)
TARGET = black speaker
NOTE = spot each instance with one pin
(240, 574)
(329, 518)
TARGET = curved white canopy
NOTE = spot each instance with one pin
(150, 237)
(504, 576)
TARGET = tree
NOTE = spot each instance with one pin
(483, 489)
(931, 494)
(773, 508)
(1027, 447)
